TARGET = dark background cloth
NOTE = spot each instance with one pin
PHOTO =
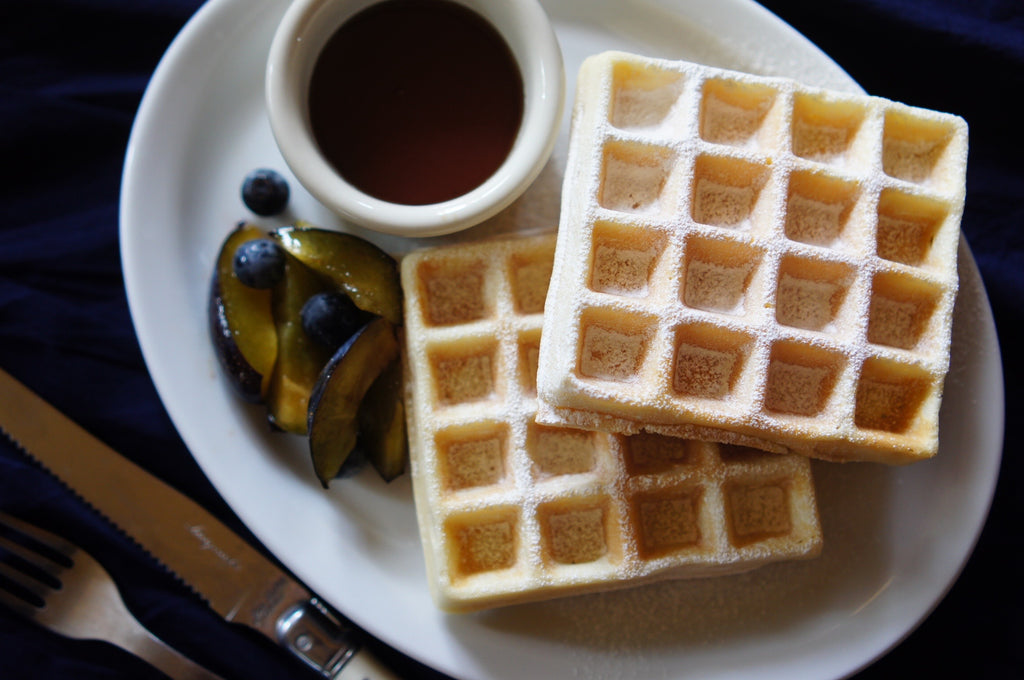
(71, 76)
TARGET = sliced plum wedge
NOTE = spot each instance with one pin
(334, 405)
(241, 321)
(355, 266)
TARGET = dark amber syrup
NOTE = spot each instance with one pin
(416, 101)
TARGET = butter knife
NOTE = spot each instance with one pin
(234, 579)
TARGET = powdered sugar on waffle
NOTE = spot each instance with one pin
(513, 511)
(750, 260)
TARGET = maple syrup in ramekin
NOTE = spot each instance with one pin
(416, 101)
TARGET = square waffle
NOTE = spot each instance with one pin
(753, 261)
(510, 510)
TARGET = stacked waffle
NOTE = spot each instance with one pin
(740, 260)
(510, 510)
(753, 261)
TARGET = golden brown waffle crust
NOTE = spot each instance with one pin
(750, 259)
(510, 511)
(829, 450)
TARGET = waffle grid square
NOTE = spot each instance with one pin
(511, 510)
(755, 261)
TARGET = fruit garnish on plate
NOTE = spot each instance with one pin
(334, 406)
(300, 358)
(304, 321)
(241, 321)
(355, 266)
(382, 423)
(331, 318)
(265, 192)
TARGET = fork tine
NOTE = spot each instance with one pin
(83, 603)
(36, 560)
(59, 547)
(22, 580)
(17, 604)
(30, 557)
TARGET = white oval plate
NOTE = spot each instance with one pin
(896, 539)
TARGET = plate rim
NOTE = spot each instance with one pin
(206, 22)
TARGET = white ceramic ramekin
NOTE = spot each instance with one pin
(305, 29)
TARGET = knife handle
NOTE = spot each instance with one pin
(313, 634)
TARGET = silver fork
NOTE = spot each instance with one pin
(63, 588)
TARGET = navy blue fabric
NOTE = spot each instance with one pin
(71, 76)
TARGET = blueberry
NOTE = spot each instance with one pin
(265, 192)
(259, 263)
(331, 318)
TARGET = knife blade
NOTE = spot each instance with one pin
(234, 579)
